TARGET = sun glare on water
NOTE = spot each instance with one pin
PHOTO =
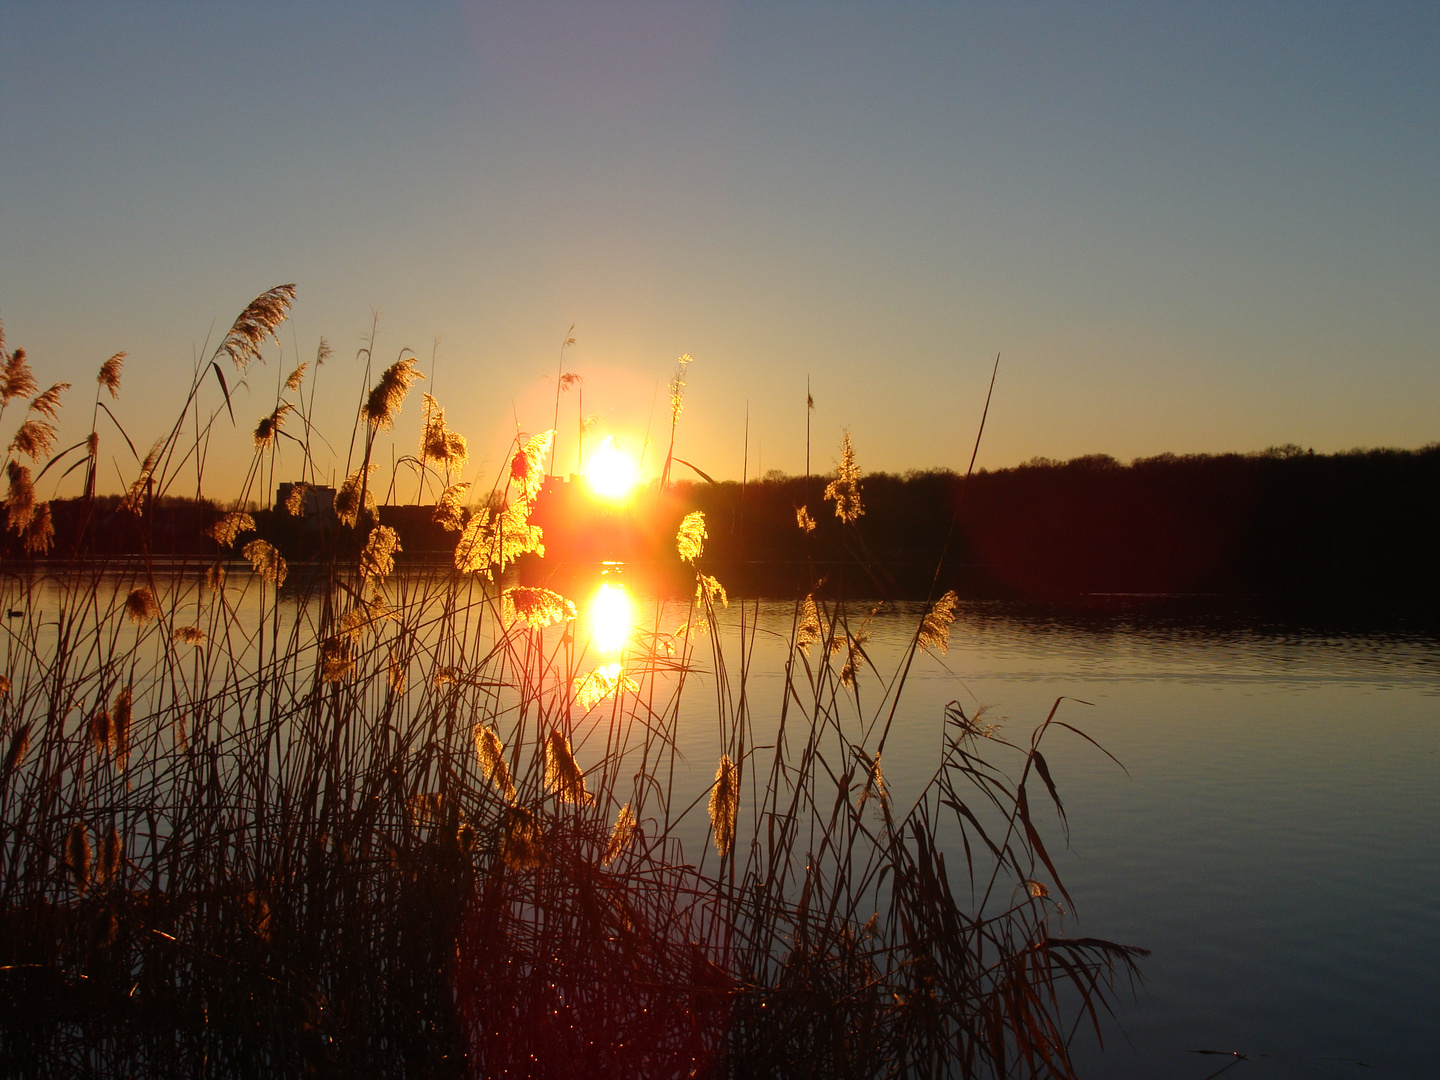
(612, 617)
(611, 472)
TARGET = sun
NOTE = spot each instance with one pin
(611, 472)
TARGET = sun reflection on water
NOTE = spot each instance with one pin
(611, 614)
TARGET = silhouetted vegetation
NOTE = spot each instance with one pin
(1286, 529)
(350, 819)
(1358, 530)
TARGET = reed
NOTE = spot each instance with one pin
(344, 815)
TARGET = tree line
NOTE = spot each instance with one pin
(1359, 529)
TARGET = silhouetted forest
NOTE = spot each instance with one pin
(1358, 530)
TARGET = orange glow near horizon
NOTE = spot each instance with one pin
(611, 473)
(612, 617)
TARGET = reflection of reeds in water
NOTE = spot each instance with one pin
(394, 822)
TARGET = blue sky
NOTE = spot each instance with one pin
(1184, 227)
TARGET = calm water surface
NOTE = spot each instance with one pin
(1276, 843)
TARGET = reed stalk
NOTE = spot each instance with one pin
(340, 814)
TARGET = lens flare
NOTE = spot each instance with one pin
(612, 617)
(611, 472)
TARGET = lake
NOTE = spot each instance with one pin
(1275, 841)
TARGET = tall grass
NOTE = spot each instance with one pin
(260, 817)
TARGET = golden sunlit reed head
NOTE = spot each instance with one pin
(611, 472)
(612, 617)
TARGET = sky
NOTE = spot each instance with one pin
(1182, 227)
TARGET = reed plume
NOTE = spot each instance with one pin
(109, 374)
(101, 731)
(34, 438)
(935, 626)
(395, 671)
(20, 500)
(447, 449)
(527, 464)
(15, 756)
(267, 561)
(17, 380)
(844, 490)
(134, 500)
(522, 839)
(677, 401)
(875, 785)
(491, 753)
(92, 453)
(677, 387)
(691, 630)
(536, 608)
(492, 541)
(257, 322)
(77, 857)
(140, 606)
(853, 645)
(347, 499)
(621, 834)
(48, 403)
(708, 590)
(449, 511)
(377, 558)
(40, 533)
(336, 659)
(563, 777)
(592, 688)
(366, 615)
(270, 426)
(230, 526)
(190, 635)
(426, 808)
(387, 395)
(121, 720)
(296, 499)
(803, 519)
(690, 540)
(257, 914)
(724, 805)
(298, 375)
(110, 852)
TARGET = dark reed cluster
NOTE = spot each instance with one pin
(263, 816)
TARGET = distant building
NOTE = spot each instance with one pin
(317, 506)
(554, 484)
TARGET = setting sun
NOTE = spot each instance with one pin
(610, 471)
